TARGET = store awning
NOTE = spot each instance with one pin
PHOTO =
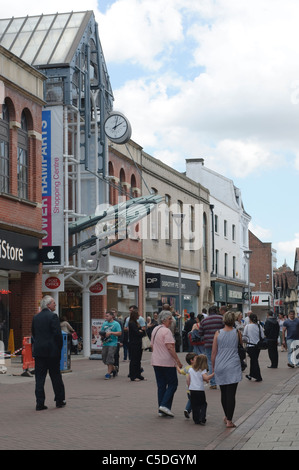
(114, 221)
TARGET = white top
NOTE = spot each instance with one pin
(251, 332)
(196, 380)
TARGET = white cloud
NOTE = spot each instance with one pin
(239, 107)
(261, 233)
(138, 31)
(286, 250)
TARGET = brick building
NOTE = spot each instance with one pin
(261, 276)
(21, 101)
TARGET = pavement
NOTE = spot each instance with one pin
(118, 415)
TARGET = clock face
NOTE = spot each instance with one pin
(117, 128)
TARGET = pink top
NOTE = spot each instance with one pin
(161, 336)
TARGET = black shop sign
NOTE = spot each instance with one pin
(18, 252)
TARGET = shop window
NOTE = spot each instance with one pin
(23, 159)
(4, 150)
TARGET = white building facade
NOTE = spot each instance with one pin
(229, 236)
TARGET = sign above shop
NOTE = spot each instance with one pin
(53, 283)
(18, 252)
(51, 255)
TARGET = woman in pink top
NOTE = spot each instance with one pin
(164, 360)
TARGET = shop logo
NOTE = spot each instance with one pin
(51, 254)
(52, 282)
(96, 288)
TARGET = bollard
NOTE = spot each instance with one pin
(28, 361)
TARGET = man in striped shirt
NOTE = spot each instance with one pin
(208, 327)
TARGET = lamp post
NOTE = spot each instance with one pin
(247, 254)
(178, 218)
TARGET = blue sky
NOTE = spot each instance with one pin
(217, 79)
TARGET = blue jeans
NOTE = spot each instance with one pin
(167, 383)
(208, 353)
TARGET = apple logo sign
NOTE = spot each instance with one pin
(51, 254)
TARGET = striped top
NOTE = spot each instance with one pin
(209, 326)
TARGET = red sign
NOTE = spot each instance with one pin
(52, 282)
(96, 288)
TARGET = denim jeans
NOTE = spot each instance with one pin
(208, 353)
(167, 383)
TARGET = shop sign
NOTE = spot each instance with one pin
(152, 281)
(53, 283)
(124, 271)
(18, 252)
(98, 289)
(51, 255)
(52, 177)
(170, 284)
(234, 294)
(219, 292)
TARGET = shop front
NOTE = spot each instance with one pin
(162, 287)
(19, 263)
(123, 285)
(228, 294)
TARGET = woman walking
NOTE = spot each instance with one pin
(164, 360)
(226, 365)
(253, 332)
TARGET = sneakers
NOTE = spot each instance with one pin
(186, 414)
(166, 411)
(107, 376)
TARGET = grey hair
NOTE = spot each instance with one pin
(45, 301)
(163, 315)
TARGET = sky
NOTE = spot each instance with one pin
(212, 79)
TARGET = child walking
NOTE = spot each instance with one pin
(195, 381)
(185, 371)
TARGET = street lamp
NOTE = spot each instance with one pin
(247, 254)
(178, 218)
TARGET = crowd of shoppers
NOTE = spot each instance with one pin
(216, 361)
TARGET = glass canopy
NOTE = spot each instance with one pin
(45, 39)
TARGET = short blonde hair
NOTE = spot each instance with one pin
(229, 318)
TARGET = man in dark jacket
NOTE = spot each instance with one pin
(47, 345)
(271, 331)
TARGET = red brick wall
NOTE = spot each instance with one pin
(22, 216)
(260, 264)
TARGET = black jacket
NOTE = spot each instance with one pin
(271, 328)
(46, 334)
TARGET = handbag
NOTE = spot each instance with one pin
(242, 353)
(146, 344)
(263, 342)
(195, 339)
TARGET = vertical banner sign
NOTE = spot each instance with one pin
(52, 177)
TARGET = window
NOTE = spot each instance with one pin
(225, 228)
(216, 261)
(205, 243)
(154, 217)
(234, 267)
(4, 151)
(167, 221)
(225, 264)
(23, 159)
(233, 233)
(216, 223)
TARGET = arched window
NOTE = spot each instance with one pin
(122, 180)
(23, 158)
(4, 150)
